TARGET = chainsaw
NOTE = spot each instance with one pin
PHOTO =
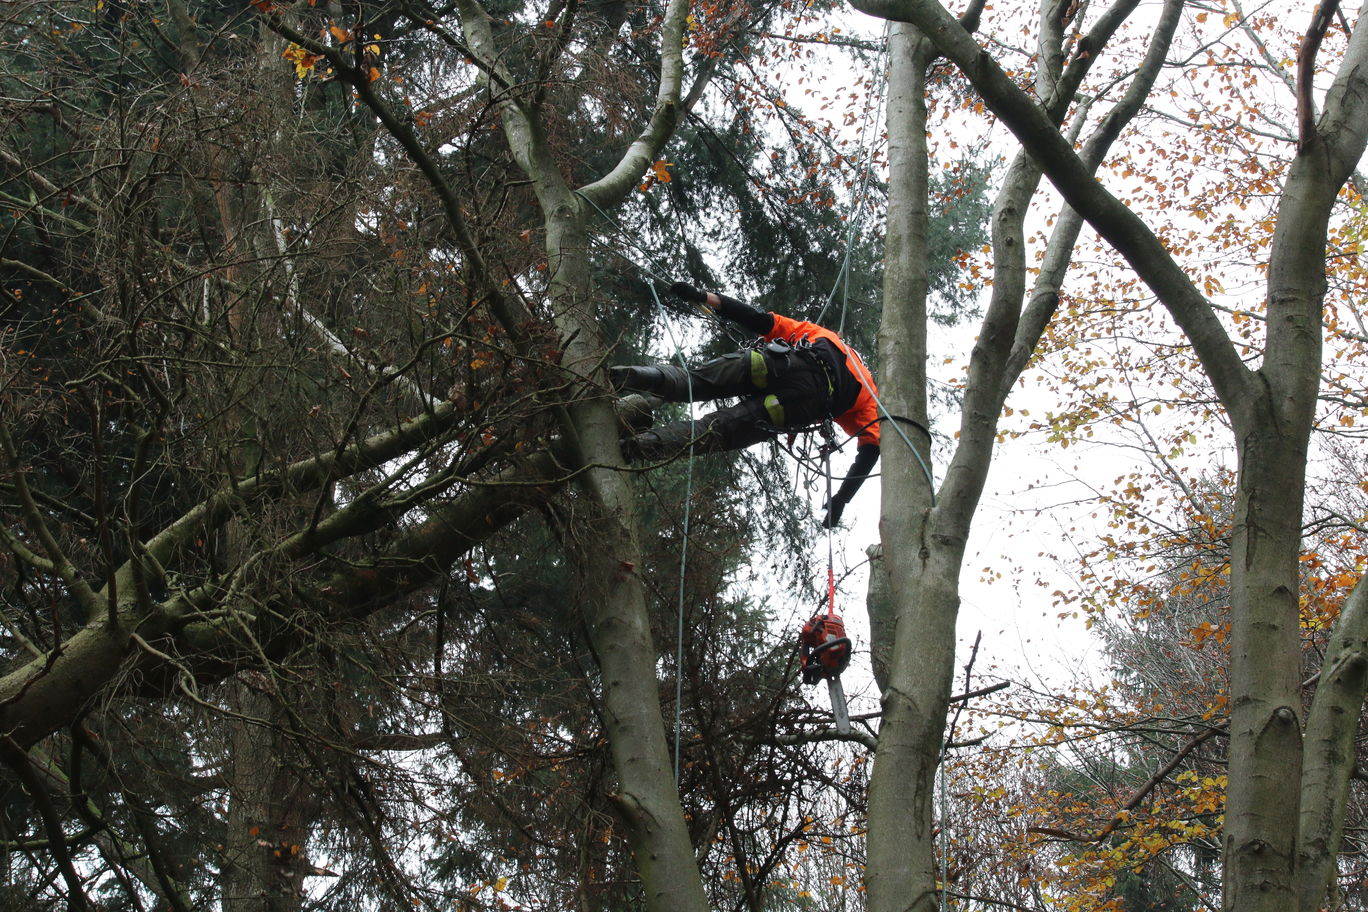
(824, 651)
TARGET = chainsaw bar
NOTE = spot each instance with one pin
(838, 705)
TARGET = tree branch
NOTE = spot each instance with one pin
(1306, 71)
(1121, 227)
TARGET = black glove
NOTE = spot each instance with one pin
(833, 513)
(688, 292)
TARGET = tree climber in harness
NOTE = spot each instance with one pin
(803, 375)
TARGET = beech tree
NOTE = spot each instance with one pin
(1278, 853)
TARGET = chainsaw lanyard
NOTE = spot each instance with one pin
(831, 530)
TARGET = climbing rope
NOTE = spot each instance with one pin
(862, 195)
(826, 451)
(683, 549)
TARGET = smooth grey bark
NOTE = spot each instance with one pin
(1331, 731)
(902, 332)
(1271, 410)
(901, 866)
(923, 542)
(879, 606)
(604, 540)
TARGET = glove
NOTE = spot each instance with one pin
(688, 293)
(833, 513)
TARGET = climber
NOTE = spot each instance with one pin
(803, 375)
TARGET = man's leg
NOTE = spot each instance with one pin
(798, 396)
(734, 374)
(733, 428)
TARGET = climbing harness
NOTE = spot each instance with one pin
(823, 647)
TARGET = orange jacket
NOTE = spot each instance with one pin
(861, 420)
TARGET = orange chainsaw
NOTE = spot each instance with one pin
(824, 651)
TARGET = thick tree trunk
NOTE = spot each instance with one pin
(902, 331)
(1265, 723)
(269, 811)
(1263, 818)
(913, 631)
(604, 544)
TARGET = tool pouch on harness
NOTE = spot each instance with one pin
(823, 647)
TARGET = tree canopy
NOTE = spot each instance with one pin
(325, 581)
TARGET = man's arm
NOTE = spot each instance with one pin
(866, 454)
(757, 321)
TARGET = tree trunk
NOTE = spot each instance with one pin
(1263, 818)
(920, 619)
(1329, 754)
(902, 332)
(269, 812)
(607, 555)
(924, 542)
(1271, 411)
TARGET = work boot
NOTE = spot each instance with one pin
(670, 440)
(646, 445)
(664, 380)
(636, 413)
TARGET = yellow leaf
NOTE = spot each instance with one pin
(500, 884)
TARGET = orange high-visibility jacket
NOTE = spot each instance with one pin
(861, 419)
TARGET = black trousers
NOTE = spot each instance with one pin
(778, 390)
